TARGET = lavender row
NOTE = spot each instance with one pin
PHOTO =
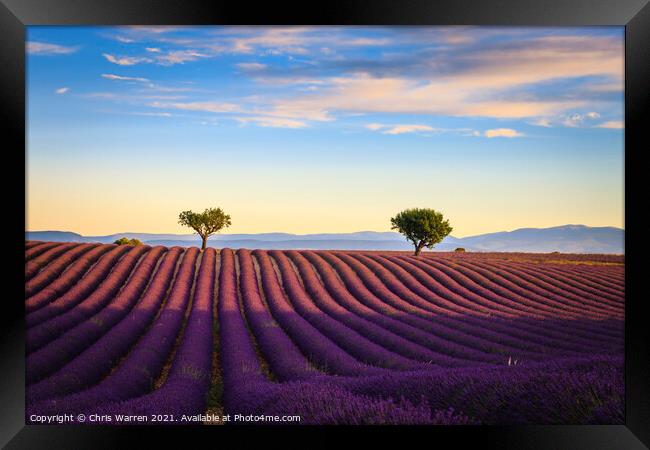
(564, 281)
(240, 366)
(32, 244)
(529, 284)
(406, 294)
(585, 280)
(418, 281)
(327, 353)
(468, 282)
(36, 250)
(347, 338)
(43, 305)
(488, 283)
(463, 296)
(34, 265)
(135, 375)
(467, 330)
(598, 279)
(445, 353)
(97, 360)
(545, 284)
(52, 356)
(50, 322)
(52, 271)
(185, 389)
(288, 364)
(391, 334)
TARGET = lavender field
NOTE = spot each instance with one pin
(334, 337)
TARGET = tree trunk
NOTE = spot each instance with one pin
(418, 248)
(205, 242)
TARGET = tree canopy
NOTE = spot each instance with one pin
(127, 241)
(423, 227)
(206, 223)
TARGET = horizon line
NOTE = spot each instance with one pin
(323, 232)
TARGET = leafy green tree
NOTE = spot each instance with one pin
(206, 223)
(421, 226)
(127, 241)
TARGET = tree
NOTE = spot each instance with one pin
(206, 223)
(127, 241)
(422, 226)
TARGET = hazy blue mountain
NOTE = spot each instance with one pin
(566, 239)
(298, 244)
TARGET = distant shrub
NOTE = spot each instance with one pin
(555, 253)
(460, 249)
(126, 241)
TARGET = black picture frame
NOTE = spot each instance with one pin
(15, 15)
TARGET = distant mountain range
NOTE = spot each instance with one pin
(565, 239)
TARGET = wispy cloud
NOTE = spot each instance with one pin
(124, 40)
(423, 130)
(365, 94)
(614, 124)
(111, 76)
(125, 60)
(62, 90)
(472, 78)
(402, 129)
(164, 59)
(576, 120)
(547, 78)
(44, 48)
(251, 66)
(179, 57)
(502, 132)
(153, 114)
(273, 122)
(213, 107)
(541, 122)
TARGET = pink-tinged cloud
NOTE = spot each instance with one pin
(124, 40)
(179, 57)
(502, 132)
(251, 66)
(292, 40)
(480, 83)
(125, 60)
(111, 76)
(273, 122)
(613, 124)
(363, 94)
(44, 48)
(577, 120)
(213, 107)
(402, 129)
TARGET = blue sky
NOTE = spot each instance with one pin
(323, 129)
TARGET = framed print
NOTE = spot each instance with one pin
(362, 218)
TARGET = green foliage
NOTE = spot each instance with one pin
(460, 249)
(422, 226)
(206, 223)
(126, 241)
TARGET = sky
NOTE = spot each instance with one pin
(323, 129)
